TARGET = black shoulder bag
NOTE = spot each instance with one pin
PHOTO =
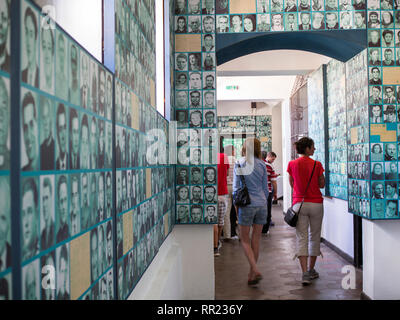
(292, 216)
(242, 197)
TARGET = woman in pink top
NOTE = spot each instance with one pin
(312, 211)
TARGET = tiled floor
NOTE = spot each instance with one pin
(282, 274)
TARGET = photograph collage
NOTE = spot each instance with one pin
(384, 98)
(66, 164)
(316, 115)
(277, 15)
(336, 86)
(196, 114)
(144, 184)
(5, 148)
(358, 135)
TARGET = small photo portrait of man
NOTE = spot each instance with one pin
(391, 209)
(63, 271)
(182, 214)
(182, 177)
(208, 24)
(63, 218)
(263, 6)
(100, 196)
(93, 197)
(31, 281)
(4, 124)
(94, 82)
(5, 226)
(196, 194)
(102, 248)
(74, 206)
(209, 62)
(195, 80)
(181, 62)
(209, 80)
(222, 24)
(109, 88)
(209, 99)
(109, 244)
(62, 137)
(85, 83)
(291, 21)
(194, 23)
(181, 99)
(208, 43)
(196, 175)
(84, 143)
(180, 24)
(374, 38)
(30, 218)
(378, 209)
(108, 146)
(62, 90)
(85, 201)
(74, 93)
(30, 45)
(210, 214)
(74, 139)
(196, 213)
(30, 132)
(47, 143)
(195, 99)
(5, 59)
(102, 92)
(332, 21)
(263, 22)
(47, 54)
(48, 282)
(47, 212)
(210, 120)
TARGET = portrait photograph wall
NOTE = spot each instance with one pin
(5, 154)
(316, 115)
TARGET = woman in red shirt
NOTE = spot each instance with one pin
(312, 211)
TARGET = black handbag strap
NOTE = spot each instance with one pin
(241, 176)
(309, 181)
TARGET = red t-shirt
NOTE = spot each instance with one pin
(223, 166)
(300, 170)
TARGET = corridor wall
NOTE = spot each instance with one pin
(89, 210)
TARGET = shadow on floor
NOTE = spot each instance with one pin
(282, 274)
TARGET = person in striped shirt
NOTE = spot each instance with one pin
(269, 158)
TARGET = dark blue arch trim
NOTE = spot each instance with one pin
(338, 44)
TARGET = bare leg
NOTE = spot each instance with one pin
(255, 240)
(248, 251)
(303, 263)
(313, 260)
(215, 236)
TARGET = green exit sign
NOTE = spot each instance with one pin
(232, 87)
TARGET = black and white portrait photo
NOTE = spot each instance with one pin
(47, 54)
(5, 59)
(47, 141)
(30, 132)
(30, 41)
(47, 212)
(31, 281)
(4, 124)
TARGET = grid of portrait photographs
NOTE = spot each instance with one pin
(384, 98)
(316, 115)
(195, 113)
(337, 129)
(358, 135)
(289, 15)
(145, 189)
(5, 147)
(66, 171)
(260, 126)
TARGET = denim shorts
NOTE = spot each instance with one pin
(253, 215)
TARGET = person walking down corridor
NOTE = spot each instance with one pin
(269, 158)
(306, 177)
(254, 215)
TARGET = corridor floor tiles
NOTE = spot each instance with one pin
(281, 274)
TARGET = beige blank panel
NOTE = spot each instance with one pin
(148, 183)
(264, 139)
(127, 221)
(187, 42)
(135, 111)
(391, 75)
(166, 229)
(152, 93)
(80, 265)
(354, 135)
(380, 130)
(243, 6)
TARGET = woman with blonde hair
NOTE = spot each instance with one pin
(251, 171)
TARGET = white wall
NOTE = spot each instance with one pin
(381, 259)
(183, 269)
(82, 20)
(277, 137)
(337, 226)
(242, 108)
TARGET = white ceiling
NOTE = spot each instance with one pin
(275, 62)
